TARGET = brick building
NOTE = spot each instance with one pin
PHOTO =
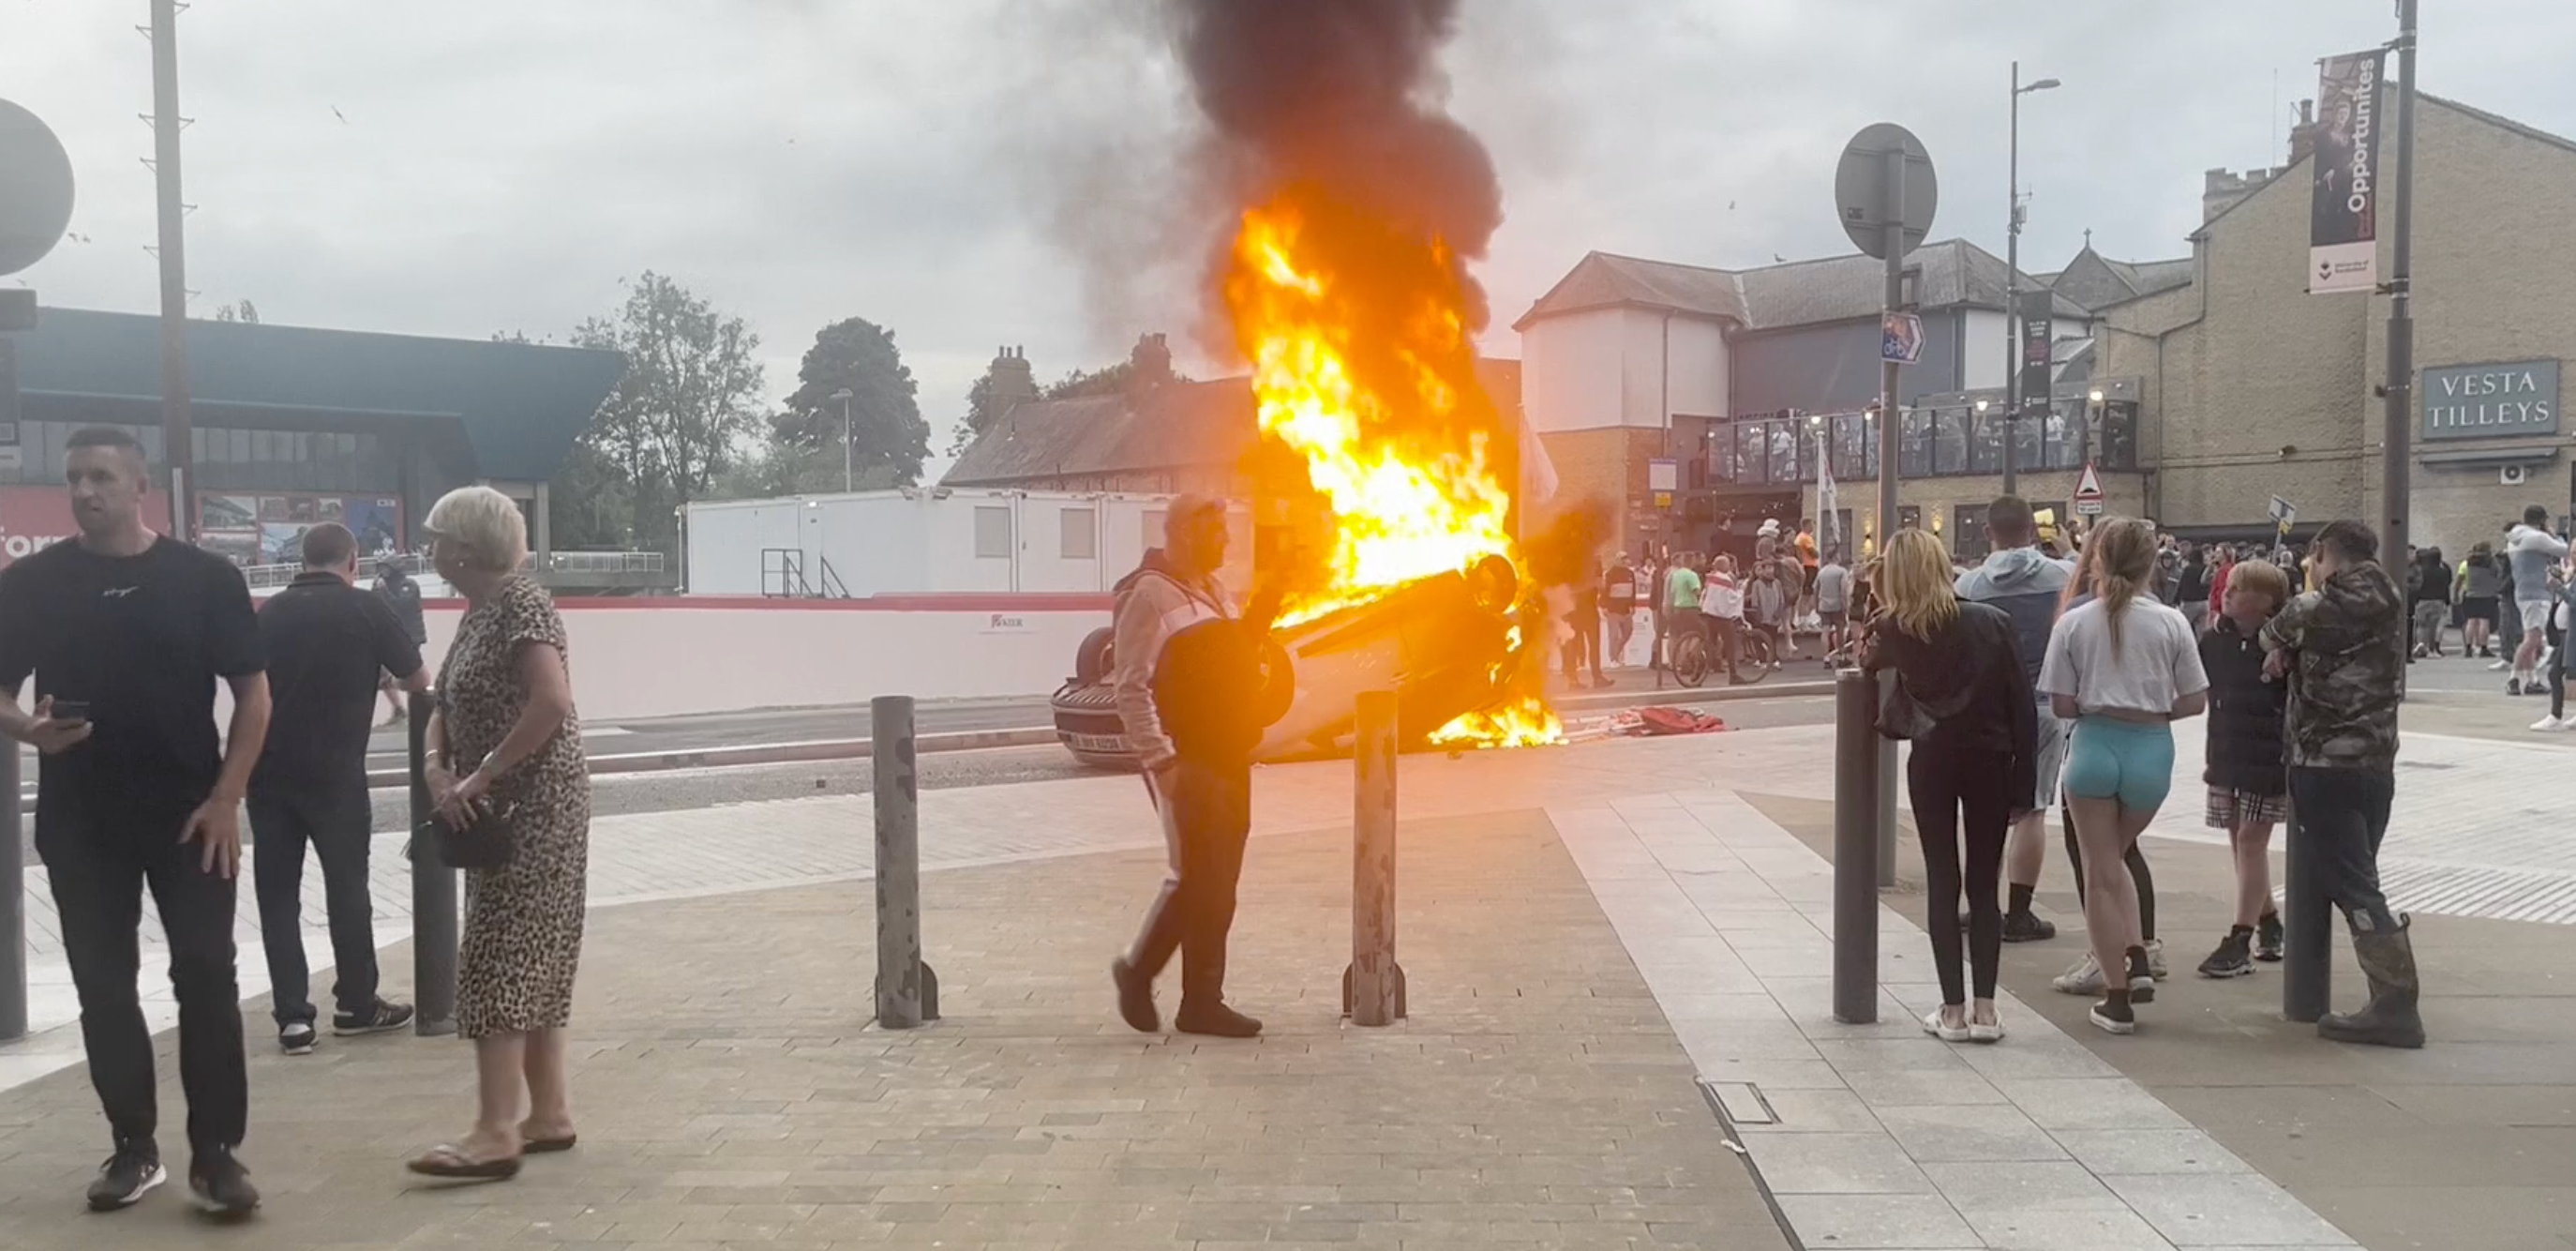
(2255, 388)
(2200, 386)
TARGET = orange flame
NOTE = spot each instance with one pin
(1363, 366)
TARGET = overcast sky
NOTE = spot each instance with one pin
(979, 172)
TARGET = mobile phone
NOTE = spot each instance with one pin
(71, 710)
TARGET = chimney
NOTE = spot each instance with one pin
(1150, 365)
(2303, 133)
(1014, 383)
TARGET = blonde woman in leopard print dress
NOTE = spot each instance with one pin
(507, 738)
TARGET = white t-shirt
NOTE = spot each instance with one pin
(2158, 661)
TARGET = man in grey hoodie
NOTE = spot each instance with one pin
(2027, 587)
(1190, 686)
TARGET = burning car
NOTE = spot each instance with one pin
(1446, 645)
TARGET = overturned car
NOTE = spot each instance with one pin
(1446, 645)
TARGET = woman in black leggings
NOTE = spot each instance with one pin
(1975, 731)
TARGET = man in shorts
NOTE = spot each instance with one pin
(2027, 586)
(2529, 550)
(1833, 601)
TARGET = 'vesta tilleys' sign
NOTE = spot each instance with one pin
(2485, 401)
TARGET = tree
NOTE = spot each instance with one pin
(884, 425)
(979, 415)
(243, 312)
(689, 400)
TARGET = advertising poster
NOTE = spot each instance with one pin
(377, 522)
(2343, 204)
(282, 542)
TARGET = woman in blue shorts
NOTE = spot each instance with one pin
(2123, 668)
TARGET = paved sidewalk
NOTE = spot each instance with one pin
(2470, 1143)
(731, 1093)
(716, 875)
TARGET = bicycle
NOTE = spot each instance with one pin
(1755, 658)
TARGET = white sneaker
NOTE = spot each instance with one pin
(2156, 959)
(2552, 725)
(2084, 979)
(2500, 666)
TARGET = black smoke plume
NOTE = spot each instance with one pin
(1345, 95)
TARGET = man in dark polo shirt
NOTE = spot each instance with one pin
(127, 634)
(328, 642)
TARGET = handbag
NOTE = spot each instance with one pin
(490, 843)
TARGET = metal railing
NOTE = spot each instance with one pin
(604, 562)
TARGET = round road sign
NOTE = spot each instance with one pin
(1861, 184)
(35, 189)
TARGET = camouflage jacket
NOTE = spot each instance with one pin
(2347, 666)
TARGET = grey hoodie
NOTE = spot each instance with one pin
(2026, 585)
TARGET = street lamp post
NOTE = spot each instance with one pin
(849, 481)
(2012, 284)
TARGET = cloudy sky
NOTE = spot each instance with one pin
(981, 172)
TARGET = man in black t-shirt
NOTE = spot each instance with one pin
(327, 643)
(127, 634)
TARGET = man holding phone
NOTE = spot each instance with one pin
(132, 631)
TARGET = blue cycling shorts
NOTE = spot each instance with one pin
(2130, 761)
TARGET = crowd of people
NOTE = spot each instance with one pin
(2509, 603)
(128, 635)
(2032, 682)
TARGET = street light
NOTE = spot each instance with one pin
(2012, 282)
(848, 480)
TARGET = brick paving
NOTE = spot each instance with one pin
(731, 1092)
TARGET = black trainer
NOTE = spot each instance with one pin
(382, 1018)
(2026, 927)
(1215, 1020)
(127, 1176)
(2142, 979)
(295, 1038)
(222, 1185)
(2267, 938)
(2234, 957)
(1135, 997)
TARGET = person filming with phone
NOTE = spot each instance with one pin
(127, 634)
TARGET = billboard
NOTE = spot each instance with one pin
(267, 527)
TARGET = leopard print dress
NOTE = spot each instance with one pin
(523, 921)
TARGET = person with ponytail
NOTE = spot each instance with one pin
(2124, 668)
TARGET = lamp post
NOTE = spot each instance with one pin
(849, 481)
(2012, 282)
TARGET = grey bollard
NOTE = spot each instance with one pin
(907, 992)
(1373, 987)
(1856, 847)
(13, 899)
(433, 893)
(2307, 933)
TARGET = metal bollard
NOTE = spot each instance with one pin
(1373, 986)
(433, 893)
(1856, 847)
(13, 900)
(2307, 933)
(907, 992)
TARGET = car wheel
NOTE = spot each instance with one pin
(1093, 660)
